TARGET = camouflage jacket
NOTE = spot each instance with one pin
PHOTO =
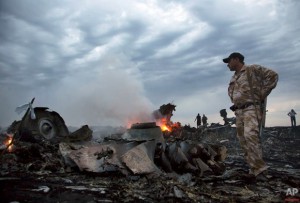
(263, 81)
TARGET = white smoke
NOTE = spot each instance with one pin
(108, 94)
(103, 92)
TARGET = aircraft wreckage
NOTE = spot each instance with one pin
(42, 161)
(142, 149)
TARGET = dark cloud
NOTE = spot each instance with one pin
(111, 63)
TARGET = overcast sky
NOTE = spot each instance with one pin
(109, 62)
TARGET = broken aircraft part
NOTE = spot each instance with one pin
(40, 166)
(39, 124)
(142, 153)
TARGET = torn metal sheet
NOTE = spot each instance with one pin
(140, 158)
(82, 134)
(140, 153)
(98, 157)
(112, 156)
(144, 131)
(135, 153)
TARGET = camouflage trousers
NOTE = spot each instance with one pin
(247, 125)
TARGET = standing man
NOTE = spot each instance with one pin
(198, 119)
(292, 114)
(248, 89)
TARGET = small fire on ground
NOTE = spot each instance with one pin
(164, 125)
(168, 126)
(162, 118)
(8, 142)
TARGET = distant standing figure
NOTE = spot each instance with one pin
(204, 120)
(198, 119)
(292, 114)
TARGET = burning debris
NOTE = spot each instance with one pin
(7, 143)
(163, 117)
(40, 161)
(143, 151)
(184, 170)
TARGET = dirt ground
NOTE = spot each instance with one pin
(281, 152)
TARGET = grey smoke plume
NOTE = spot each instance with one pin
(105, 91)
(108, 94)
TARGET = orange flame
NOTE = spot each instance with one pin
(163, 123)
(165, 128)
(8, 142)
